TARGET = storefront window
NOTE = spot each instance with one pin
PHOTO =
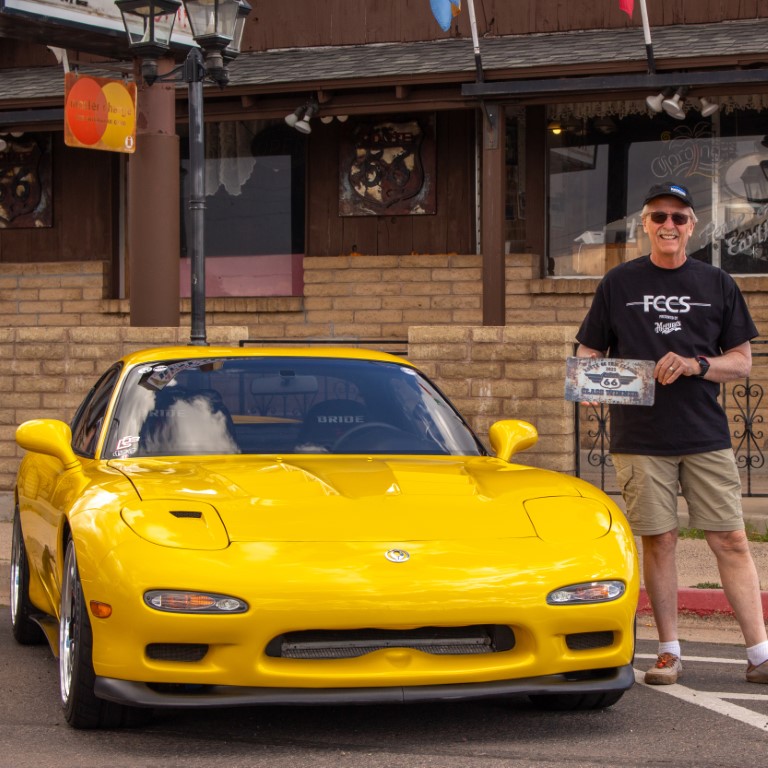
(600, 169)
(254, 217)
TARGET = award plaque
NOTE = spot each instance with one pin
(609, 380)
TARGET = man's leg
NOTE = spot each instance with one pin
(741, 585)
(649, 487)
(660, 577)
(712, 488)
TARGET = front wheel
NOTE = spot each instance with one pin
(25, 630)
(82, 708)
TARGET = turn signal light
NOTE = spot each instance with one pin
(177, 601)
(100, 610)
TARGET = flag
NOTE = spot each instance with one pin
(444, 11)
(628, 6)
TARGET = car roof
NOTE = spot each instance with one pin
(194, 352)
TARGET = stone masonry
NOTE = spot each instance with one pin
(58, 332)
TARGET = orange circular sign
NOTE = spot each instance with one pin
(87, 111)
(100, 113)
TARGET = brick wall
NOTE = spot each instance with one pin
(511, 372)
(351, 296)
(58, 332)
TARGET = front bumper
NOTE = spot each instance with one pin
(189, 697)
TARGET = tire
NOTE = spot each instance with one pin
(25, 629)
(571, 702)
(77, 677)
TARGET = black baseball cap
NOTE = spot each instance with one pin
(669, 189)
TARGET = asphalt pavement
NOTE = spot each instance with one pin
(697, 571)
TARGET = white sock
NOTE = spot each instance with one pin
(758, 654)
(673, 647)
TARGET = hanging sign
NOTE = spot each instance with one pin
(99, 113)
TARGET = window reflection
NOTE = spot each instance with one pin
(598, 177)
(254, 217)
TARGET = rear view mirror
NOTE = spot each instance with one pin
(284, 383)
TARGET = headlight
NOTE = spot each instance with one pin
(176, 601)
(593, 592)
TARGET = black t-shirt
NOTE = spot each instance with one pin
(641, 312)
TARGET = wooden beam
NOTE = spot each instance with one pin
(535, 188)
(492, 221)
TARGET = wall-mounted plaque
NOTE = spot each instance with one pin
(387, 168)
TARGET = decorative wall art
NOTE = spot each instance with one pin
(25, 181)
(387, 168)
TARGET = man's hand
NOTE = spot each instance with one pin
(672, 366)
(583, 351)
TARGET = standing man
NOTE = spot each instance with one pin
(692, 321)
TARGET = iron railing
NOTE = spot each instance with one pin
(743, 404)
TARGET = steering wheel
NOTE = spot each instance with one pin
(356, 431)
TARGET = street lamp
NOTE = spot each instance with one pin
(755, 181)
(217, 27)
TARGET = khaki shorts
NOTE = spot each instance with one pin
(709, 483)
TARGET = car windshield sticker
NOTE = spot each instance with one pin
(126, 446)
(162, 375)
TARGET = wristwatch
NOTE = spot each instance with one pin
(703, 364)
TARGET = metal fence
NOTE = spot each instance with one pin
(743, 404)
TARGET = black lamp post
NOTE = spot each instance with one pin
(217, 27)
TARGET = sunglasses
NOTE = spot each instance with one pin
(660, 217)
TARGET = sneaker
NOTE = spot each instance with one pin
(667, 669)
(757, 674)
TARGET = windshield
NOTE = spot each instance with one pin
(283, 405)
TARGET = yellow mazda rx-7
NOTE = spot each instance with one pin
(238, 526)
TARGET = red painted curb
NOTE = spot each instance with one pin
(702, 602)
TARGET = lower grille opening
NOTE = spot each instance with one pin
(346, 644)
(586, 641)
(176, 651)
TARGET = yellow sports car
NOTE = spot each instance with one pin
(237, 526)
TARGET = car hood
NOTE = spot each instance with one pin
(319, 498)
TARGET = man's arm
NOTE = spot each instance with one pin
(735, 363)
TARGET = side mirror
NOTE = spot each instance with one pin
(511, 436)
(50, 437)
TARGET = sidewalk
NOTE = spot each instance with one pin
(696, 564)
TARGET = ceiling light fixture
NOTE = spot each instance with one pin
(673, 106)
(310, 110)
(655, 102)
(295, 116)
(708, 107)
(300, 117)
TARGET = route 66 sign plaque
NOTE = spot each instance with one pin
(609, 380)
